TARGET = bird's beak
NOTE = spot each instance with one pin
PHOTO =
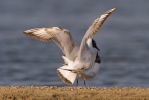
(97, 48)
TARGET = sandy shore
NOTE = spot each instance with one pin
(72, 93)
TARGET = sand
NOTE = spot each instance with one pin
(72, 93)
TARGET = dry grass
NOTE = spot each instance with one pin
(72, 93)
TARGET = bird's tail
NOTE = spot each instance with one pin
(65, 75)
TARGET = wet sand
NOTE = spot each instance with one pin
(72, 93)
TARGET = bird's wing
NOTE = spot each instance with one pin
(92, 31)
(60, 36)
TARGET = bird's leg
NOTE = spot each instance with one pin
(84, 83)
(77, 81)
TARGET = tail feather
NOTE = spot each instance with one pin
(66, 76)
(66, 60)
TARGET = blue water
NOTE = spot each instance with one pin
(123, 41)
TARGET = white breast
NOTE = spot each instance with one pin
(90, 73)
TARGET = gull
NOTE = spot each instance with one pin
(86, 74)
(80, 61)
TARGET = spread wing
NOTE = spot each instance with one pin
(61, 37)
(93, 30)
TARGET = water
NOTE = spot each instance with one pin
(123, 41)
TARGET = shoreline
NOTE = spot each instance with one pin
(72, 93)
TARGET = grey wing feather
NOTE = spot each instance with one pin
(93, 30)
(61, 37)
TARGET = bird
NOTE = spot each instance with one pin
(79, 61)
(86, 74)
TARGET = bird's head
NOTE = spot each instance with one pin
(97, 60)
(92, 45)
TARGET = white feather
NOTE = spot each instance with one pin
(67, 76)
